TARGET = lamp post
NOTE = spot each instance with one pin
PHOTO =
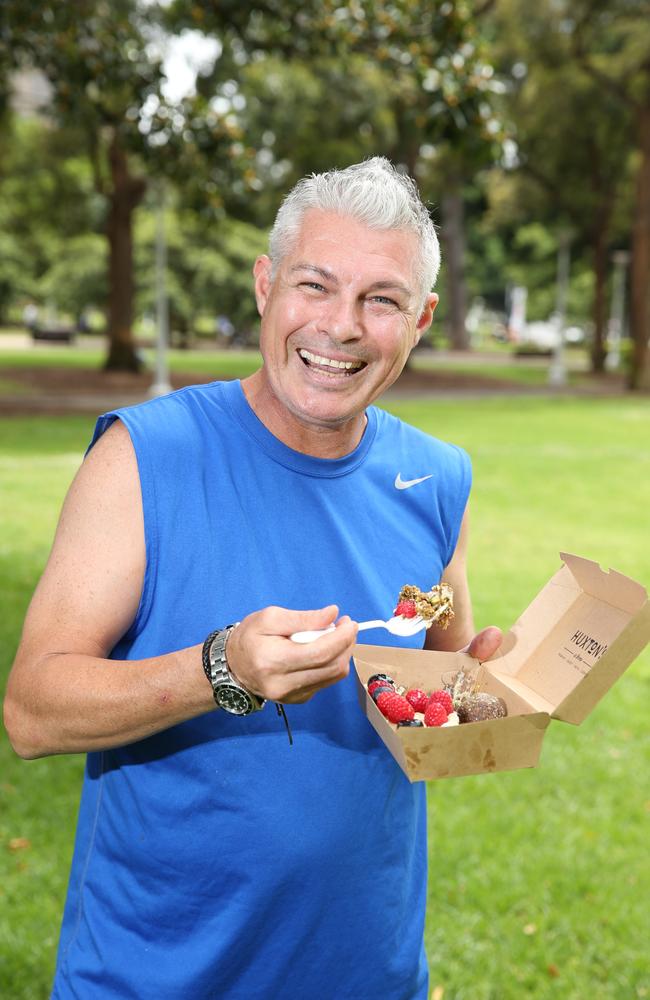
(517, 317)
(161, 384)
(557, 373)
(620, 259)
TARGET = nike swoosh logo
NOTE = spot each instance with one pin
(405, 484)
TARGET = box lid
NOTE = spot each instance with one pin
(575, 639)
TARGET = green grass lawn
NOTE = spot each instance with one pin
(233, 362)
(501, 365)
(539, 878)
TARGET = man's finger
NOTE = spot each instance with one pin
(485, 643)
(284, 621)
(306, 684)
(320, 652)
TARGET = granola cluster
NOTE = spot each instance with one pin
(436, 605)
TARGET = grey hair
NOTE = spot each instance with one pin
(373, 192)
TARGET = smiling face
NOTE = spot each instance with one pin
(338, 323)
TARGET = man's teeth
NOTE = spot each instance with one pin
(316, 359)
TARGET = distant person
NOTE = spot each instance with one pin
(213, 859)
(225, 327)
(30, 317)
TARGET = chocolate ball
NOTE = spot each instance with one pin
(480, 706)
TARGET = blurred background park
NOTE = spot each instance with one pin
(144, 149)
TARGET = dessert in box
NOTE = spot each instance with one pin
(562, 655)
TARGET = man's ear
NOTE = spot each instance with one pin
(262, 275)
(426, 316)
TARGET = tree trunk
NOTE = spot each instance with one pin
(126, 194)
(640, 277)
(598, 349)
(453, 239)
(5, 298)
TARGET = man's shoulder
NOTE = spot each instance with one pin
(188, 400)
(173, 419)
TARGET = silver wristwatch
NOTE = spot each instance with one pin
(228, 693)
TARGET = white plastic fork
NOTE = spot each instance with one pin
(397, 625)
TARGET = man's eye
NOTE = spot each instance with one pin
(383, 300)
(312, 284)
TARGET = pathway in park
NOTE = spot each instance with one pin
(62, 389)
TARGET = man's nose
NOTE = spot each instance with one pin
(342, 319)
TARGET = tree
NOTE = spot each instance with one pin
(284, 118)
(441, 92)
(209, 268)
(435, 100)
(50, 219)
(95, 58)
(612, 42)
(571, 140)
(107, 82)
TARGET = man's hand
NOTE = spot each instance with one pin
(265, 660)
(485, 643)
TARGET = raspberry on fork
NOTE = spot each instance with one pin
(406, 609)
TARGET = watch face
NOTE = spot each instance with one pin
(233, 699)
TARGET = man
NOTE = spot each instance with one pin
(213, 859)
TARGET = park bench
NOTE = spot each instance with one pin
(53, 335)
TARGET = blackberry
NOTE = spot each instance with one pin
(381, 677)
(380, 690)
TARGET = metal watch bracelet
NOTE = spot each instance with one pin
(208, 668)
(217, 671)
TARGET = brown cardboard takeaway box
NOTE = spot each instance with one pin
(566, 650)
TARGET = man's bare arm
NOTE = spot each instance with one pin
(64, 695)
(461, 633)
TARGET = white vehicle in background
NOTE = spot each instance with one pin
(544, 335)
(541, 335)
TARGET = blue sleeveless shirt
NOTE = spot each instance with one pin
(214, 861)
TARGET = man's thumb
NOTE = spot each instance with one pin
(485, 643)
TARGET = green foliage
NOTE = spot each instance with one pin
(12, 273)
(104, 68)
(94, 55)
(304, 118)
(77, 277)
(302, 87)
(48, 211)
(410, 80)
(440, 77)
(572, 137)
(579, 89)
(209, 267)
(437, 79)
